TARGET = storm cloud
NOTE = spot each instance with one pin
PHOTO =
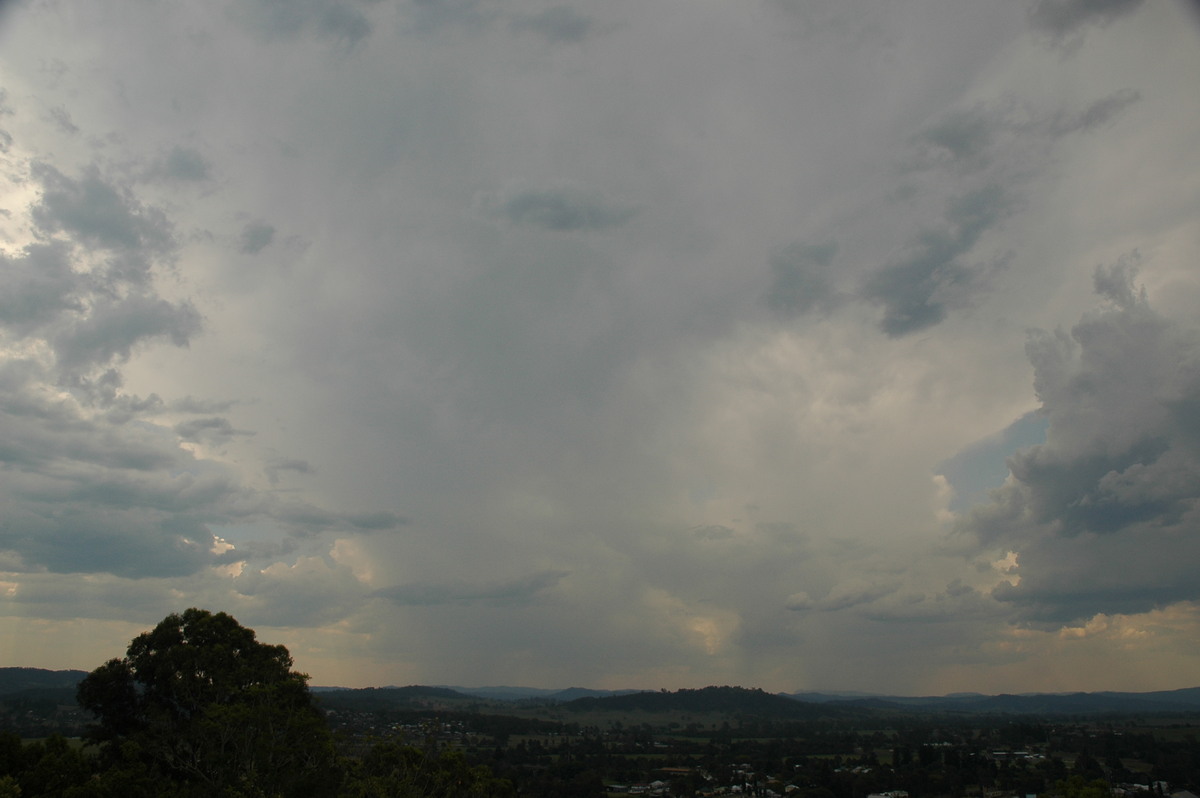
(1087, 511)
(637, 344)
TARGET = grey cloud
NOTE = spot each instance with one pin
(919, 289)
(114, 327)
(256, 236)
(1103, 511)
(713, 532)
(375, 521)
(278, 465)
(517, 591)
(430, 16)
(307, 520)
(41, 436)
(964, 138)
(308, 591)
(186, 495)
(1060, 19)
(1116, 283)
(97, 212)
(800, 280)
(91, 485)
(1097, 114)
(856, 593)
(183, 164)
(557, 24)
(209, 430)
(190, 404)
(82, 539)
(327, 19)
(257, 550)
(562, 209)
(37, 286)
(62, 120)
(346, 24)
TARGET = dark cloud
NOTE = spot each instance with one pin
(713, 532)
(279, 465)
(96, 212)
(932, 277)
(1102, 512)
(209, 430)
(517, 591)
(341, 22)
(562, 209)
(307, 520)
(962, 138)
(82, 539)
(181, 163)
(800, 280)
(375, 521)
(112, 328)
(37, 286)
(92, 483)
(190, 404)
(433, 15)
(1061, 19)
(853, 594)
(557, 24)
(256, 236)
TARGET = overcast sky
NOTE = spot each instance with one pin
(630, 343)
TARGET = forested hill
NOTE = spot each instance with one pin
(1185, 700)
(17, 680)
(726, 700)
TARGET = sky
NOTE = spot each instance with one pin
(821, 345)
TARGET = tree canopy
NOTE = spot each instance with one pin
(200, 703)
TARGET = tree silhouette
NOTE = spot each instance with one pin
(199, 702)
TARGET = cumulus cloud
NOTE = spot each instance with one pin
(112, 328)
(97, 481)
(1101, 513)
(98, 212)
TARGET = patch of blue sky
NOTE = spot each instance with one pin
(983, 465)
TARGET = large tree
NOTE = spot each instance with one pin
(201, 703)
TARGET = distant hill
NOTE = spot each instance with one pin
(374, 699)
(19, 680)
(60, 685)
(726, 700)
(1185, 700)
(527, 694)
